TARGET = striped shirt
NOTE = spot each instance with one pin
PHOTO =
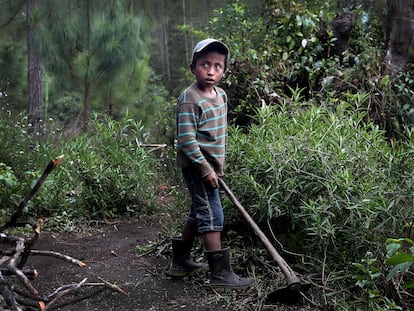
(202, 130)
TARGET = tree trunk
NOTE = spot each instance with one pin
(34, 70)
(87, 84)
(165, 21)
(110, 104)
(85, 118)
(400, 34)
(187, 56)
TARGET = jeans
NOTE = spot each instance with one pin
(206, 211)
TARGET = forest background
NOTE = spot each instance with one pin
(321, 125)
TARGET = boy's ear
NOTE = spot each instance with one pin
(192, 67)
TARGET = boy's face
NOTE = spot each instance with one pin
(209, 69)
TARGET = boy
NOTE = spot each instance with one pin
(201, 120)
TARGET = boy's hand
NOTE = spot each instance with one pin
(211, 180)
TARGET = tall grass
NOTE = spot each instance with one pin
(343, 188)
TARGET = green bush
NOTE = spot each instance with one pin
(105, 173)
(8, 190)
(401, 258)
(343, 188)
(17, 146)
(283, 49)
(368, 276)
(18, 164)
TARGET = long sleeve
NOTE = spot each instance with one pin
(187, 119)
(202, 131)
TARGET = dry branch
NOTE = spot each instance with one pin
(114, 287)
(7, 294)
(15, 254)
(12, 266)
(63, 293)
(19, 212)
(60, 256)
(153, 146)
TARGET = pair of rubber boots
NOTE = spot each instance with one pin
(221, 273)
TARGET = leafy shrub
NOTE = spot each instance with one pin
(401, 259)
(341, 186)
(18, 164)
(17, 146)
(8, 189)
(104, 173)
(368, 276)
(283, 50)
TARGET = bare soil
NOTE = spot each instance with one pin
(110, 252)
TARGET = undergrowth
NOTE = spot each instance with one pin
(338, 186)
(104, 174)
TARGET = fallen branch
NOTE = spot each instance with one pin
(18, 251)
(19, 212)
(12, 266)
(7, 294)
(63, 293)
(60, 256)
(31, 274)
(113, 287)
(59, 297)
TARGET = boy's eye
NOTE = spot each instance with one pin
(207, 65)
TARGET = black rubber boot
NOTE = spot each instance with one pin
(221, 274)
(181, 264)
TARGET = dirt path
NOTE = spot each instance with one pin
(109, 251)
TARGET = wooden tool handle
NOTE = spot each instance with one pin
(286, 270)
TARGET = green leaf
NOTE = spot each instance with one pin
(400, 240)
(400, 258)
(393, 248)
(409, 284)
(401, 267)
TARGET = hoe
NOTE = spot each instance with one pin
(294, 289)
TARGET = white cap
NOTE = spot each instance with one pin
(200, 46)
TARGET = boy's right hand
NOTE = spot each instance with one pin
(211, 180)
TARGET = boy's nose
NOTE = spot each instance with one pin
(210, 69)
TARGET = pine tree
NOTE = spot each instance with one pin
(13, 56)
(36, 113)
(98, 47)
